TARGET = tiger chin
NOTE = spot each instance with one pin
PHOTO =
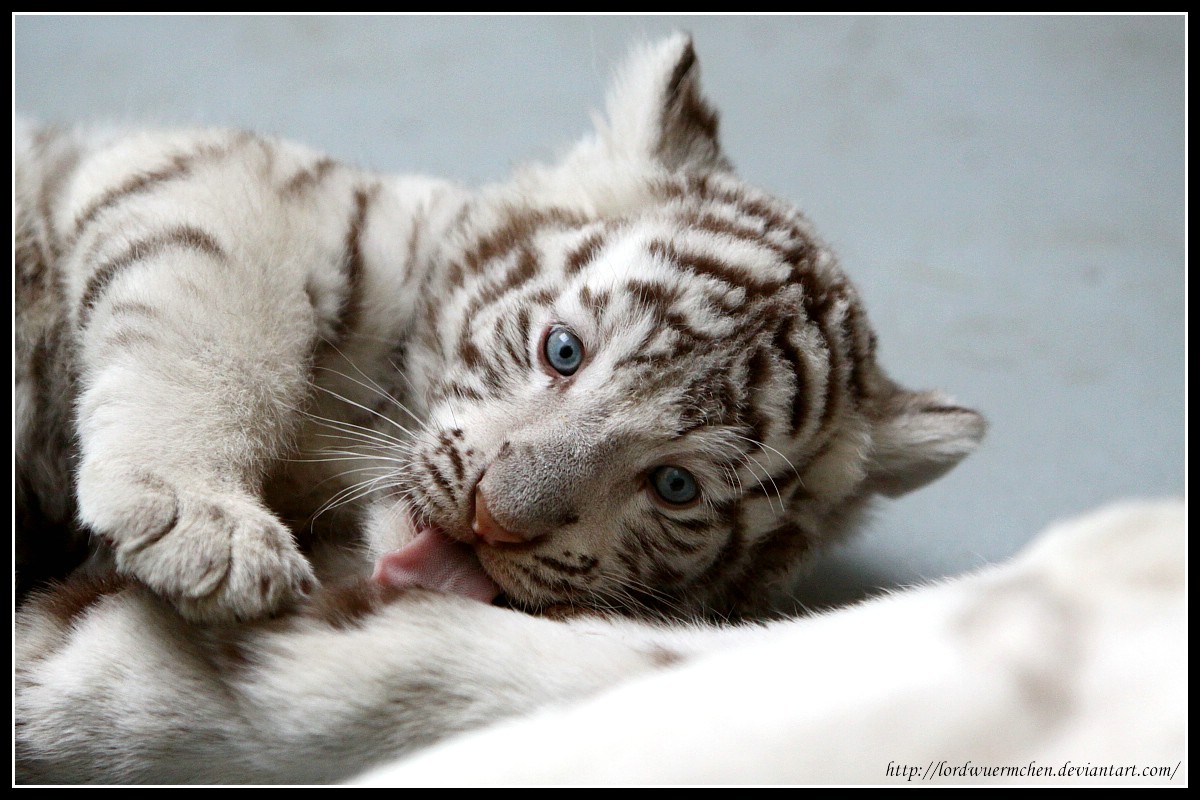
(624, 381)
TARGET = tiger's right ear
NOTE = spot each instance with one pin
(657, 112)
(920, 437)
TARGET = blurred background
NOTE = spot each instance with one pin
(1007, 193)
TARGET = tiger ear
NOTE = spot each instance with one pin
(655, 109)
(921, 436)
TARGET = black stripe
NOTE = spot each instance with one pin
(439, 479)
(70, 598)
(546, 295)
(657, 297)
(134, 308)
(522, 335)
(583, 254)
(833, 385)
(467, 351)
(514, 345)
(772, 486)
(519, 274)
(721, 398)
(353, 267)
(588, 300)
(587, 564)
(681, 323)
(675, 543)
(455, 458)
(792, 356)
(178, 166)
(757, 376)
(819, 299)
(709, 267)
(182, 236)
(459, 391)
(775, 216)
(492, 375)
(556, 587)
(419, 222)
(52, 182)
(308, 177)
(34, 274)
(655, 360)
(733, 228)
(858, 356)
(515, 232)
(695, 524)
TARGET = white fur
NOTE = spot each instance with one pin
(1075, 651)
(1074, 654)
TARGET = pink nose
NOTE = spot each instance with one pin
(487, 528)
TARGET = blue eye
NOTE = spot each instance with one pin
(564, 351)
(674, 485)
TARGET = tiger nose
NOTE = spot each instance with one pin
(487, 528)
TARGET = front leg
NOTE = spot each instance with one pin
(194, 366)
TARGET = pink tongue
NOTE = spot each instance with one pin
(432, 561)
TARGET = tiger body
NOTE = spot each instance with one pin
(221, 336)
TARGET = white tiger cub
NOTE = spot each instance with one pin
(627, 380)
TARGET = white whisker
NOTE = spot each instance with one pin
(765, 446)
(371, 411)
(377, 390)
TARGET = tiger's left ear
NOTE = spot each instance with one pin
(656, 111)
(920, 437)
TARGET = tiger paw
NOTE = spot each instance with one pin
(217, 555)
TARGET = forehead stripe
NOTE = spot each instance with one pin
(709, 267)
(584, 252)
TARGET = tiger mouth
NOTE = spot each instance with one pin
(433, 560)
(454, 559)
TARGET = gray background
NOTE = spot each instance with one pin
(1006, 192)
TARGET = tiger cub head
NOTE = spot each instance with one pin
(649, 385)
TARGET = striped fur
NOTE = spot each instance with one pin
(228, 335)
